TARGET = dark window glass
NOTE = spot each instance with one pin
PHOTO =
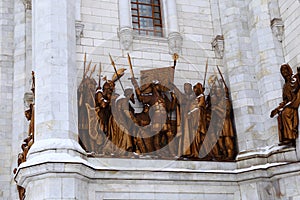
(146, 17)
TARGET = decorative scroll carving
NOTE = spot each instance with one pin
(288, 109)
(277, 28)
(175, 43)
(218, 46)
(79, 31)
(28, 141)
(171, 124)
(126, 37)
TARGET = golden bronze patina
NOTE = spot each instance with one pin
(287, 110)
(170, 124)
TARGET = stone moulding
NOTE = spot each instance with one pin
(158, 175)
(126, 37)
(175, 43)
(277, 27)
(96, 168)
(218, 46)
(79, 31)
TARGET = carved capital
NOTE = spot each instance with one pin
(27, 4)
(79, 31)
(218, 46)
(175, 42)
(277, 28)
(126, 37)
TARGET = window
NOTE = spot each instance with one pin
(146, 17)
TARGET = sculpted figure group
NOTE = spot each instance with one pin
(156, 120)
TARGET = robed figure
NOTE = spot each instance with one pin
(288, 109)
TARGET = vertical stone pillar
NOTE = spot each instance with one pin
(6, 94)
(238, 61)
(21, 85)
(54, 61)
(28, 40)
(267, 58)
(52, 167)
(125, 14)
(125, 32)
(253, 56)
(172, 16)
(174, 36)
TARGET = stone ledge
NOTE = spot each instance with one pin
(57, 145)
(271, 154)
(128, 169)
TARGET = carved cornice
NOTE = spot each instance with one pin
(27, 4)
(218, 46)
(277, 28)
(175, 43)
(126, 37)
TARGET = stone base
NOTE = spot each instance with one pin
(113, 178)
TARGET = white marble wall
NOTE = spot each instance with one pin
(6, 94)
(100, 38)
(22, 77)
(290, 14)
(54, 53)
(251, 65)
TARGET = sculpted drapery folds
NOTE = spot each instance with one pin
(171, 124)
(85, 94)
(153, 95)
(119, 124)
(187, 105)
(198, 122)
(288, 109)
(226, 141)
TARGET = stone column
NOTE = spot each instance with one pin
(54, 42)
(6, 94)
(172, 16)
(267, 58)
(238, 61)
(125, 32)
(174, 36)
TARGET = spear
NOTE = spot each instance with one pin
(93, 70)
(221, 76)
(84, 63)
(99, 82)
(130, 65)
(113, 64)
(87, 70)
(206, 66)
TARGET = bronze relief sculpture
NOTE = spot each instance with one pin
(171, 124)
(287, 110)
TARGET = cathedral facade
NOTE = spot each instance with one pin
(244, 46)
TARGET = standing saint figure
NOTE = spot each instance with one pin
(288, 109)
(197, 120)
(226, 142)
(187, 104)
